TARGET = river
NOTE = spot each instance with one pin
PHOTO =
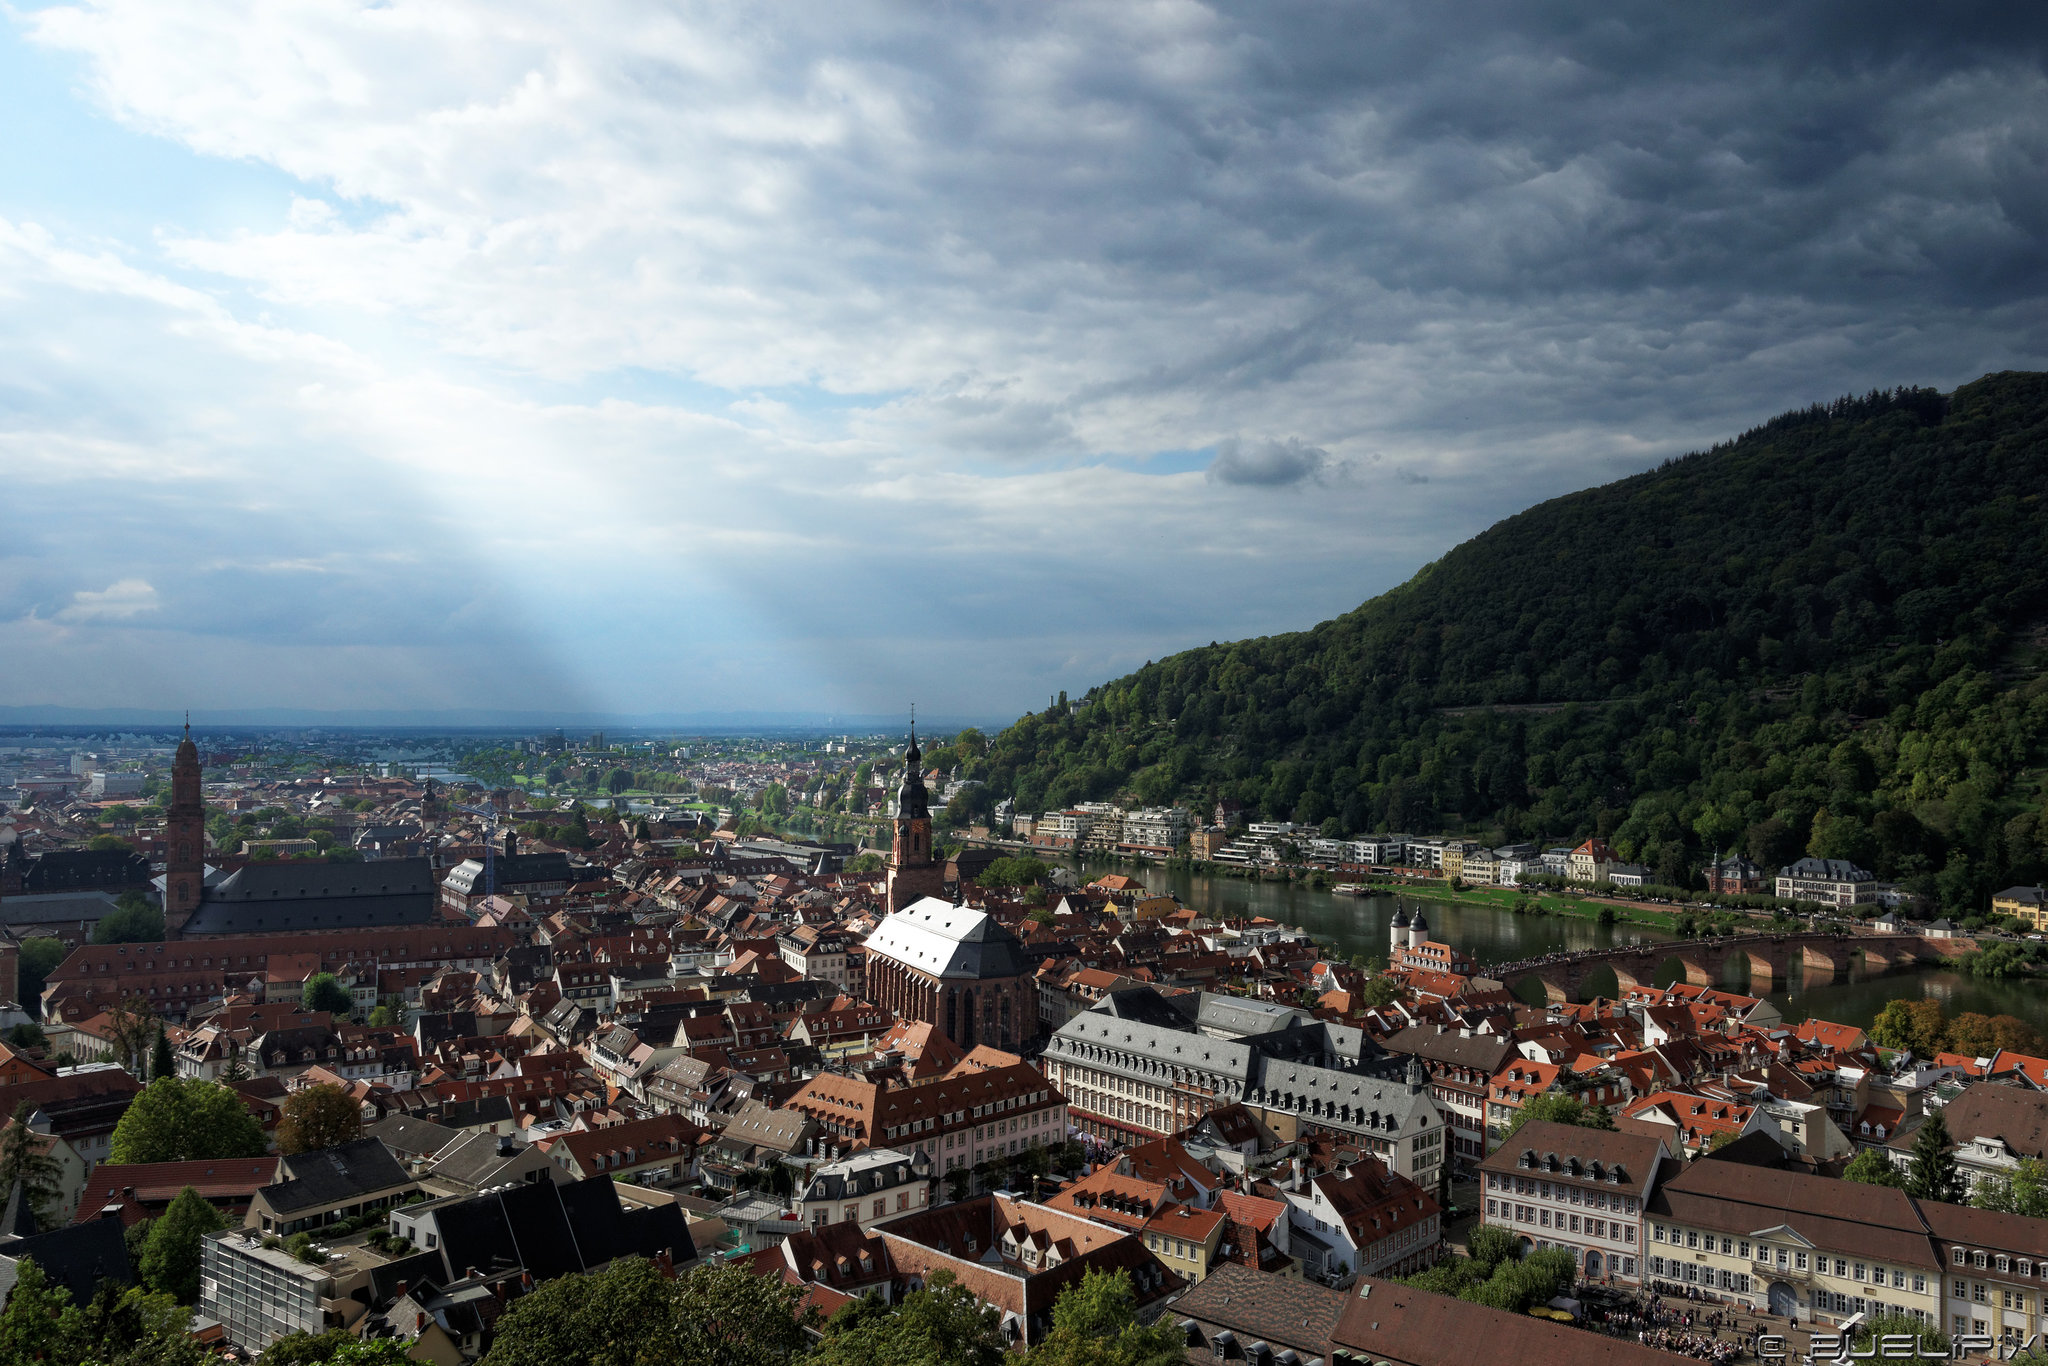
(1362, 925)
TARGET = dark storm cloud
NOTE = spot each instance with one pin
(1575, 190)
(1267, 464)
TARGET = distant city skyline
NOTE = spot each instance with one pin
(476, 359)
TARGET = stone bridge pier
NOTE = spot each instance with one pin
(1770, 959)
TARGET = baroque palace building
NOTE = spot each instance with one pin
(1139, 1065)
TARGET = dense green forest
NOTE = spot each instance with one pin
(1825, 636)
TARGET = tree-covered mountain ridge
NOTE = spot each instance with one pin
(1825, 636)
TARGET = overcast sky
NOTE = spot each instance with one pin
(645, 358)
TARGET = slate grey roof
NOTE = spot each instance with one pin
(873, 1170)
(56, 908)
(269, 897)
(468, 878)
(553, 1230)
(1486, 1053)
(1137, 1033)
(77, 1256)
(757, 1126)
(1350, 1100)
(1146, 1005)
(335, 1176)
(410, 1136)
(79, 870)
(472, 1159)
(1131, 1046)
(483, 1112)
(1238, 1016)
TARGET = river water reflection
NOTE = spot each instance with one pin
(1362, 925)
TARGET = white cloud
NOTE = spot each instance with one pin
(122, 600)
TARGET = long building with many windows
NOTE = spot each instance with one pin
(1559, 1185)
(1138, 1065)
(958, 1122)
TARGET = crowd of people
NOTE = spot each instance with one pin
(1716, 1335)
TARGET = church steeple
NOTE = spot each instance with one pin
(912, 874)
(912, 801)
(184, 837)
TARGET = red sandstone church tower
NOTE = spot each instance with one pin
(184, 839)
(912, 874)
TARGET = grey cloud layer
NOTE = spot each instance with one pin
(927, 272)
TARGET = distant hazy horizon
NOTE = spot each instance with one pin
(287, 718)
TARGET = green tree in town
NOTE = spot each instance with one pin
(1911, 1025)
(119, 1326)
(133, 1024)
(170, 1259)
(316, 1117)
(1558, 1108)
(1873, 1168)
(1488, 1245)
(939, 1325)
(2024, 1191)
(335, 1347)
(132, 921)
(629, 1314)
(39, 1322)
(1519, 1284)
(324, 991)
(1095, 1323)
(27, 1034)
(1380, 990)
(1011, 871)
(1932, 1174)
(23, 1159)
(1926, 1332)
(39, 958)
(1982, 1036)
(184, 1119)
(161, 1063)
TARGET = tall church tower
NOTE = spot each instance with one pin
(184, 838)
(912, 874)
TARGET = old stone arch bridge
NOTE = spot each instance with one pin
(1770, 958)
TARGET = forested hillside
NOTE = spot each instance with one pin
(1825, 636)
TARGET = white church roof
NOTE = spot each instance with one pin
(940, 939)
